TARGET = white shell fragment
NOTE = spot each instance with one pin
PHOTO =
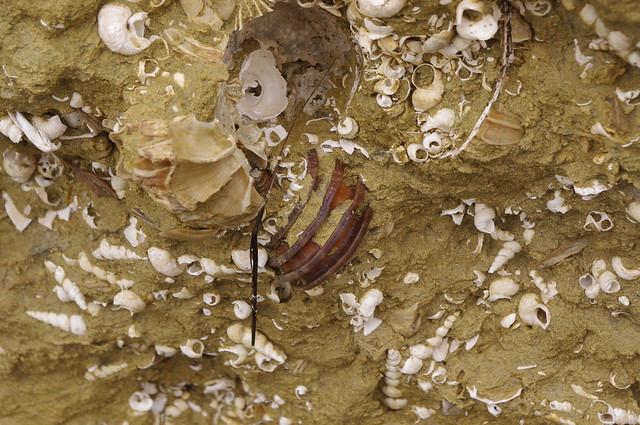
(10, 130)
(193, 348)
(19, 166)
(129, 300)
(347, 128)
(380, 8)
(533, 313)
(19, 220)
(121, 31)
(74, 324)
(242, 259)
(264, 89)
(241, 309)
(622, 271)
(599, 220)
(412, 366)
(481, 29)
(634, 211)
(52, 127)
(483, 218)
(140, 401)
(106, 251)
(163, 262)
(38, 138)
(241, 334)
(68, 291)
(363, 311)
(502, 288)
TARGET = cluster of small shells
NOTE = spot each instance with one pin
(416, 68)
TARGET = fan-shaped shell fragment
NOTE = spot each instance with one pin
(194, 169)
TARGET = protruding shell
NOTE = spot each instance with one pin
(242, 259)
(508, 320)
(387, 86)
(483, 218)
(193, 348)
(49, 166)
(622, 271)
(502, 288)
(380, 8)
(412, 365)
(52, 127)
(395, 403)
(121, 31)
(634, 211)
(19, 166)
(473, 27)
(533, 313)
(438, 40)
(264, 88)
(140, 401)
(348, 128)
(425, 97)
(163, 262)
(421, 351)
(129, 300)
(241, 309)
(501, 128)
(608, 282)
(417, 153)
(369, 302)
(588, 14)
(241, 334)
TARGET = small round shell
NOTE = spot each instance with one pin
(241, 309)
(425, 97)
(348, 128)
(380, 8)
(193, 348)
(140, 401)
(18, 165)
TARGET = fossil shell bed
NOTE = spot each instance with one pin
(48, 376)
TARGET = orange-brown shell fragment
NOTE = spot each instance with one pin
(501, 128)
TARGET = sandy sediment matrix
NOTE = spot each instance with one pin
(451, 213)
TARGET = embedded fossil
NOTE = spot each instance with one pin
(310, 263)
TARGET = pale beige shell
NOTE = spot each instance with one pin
(194, 169)
(501, 128)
